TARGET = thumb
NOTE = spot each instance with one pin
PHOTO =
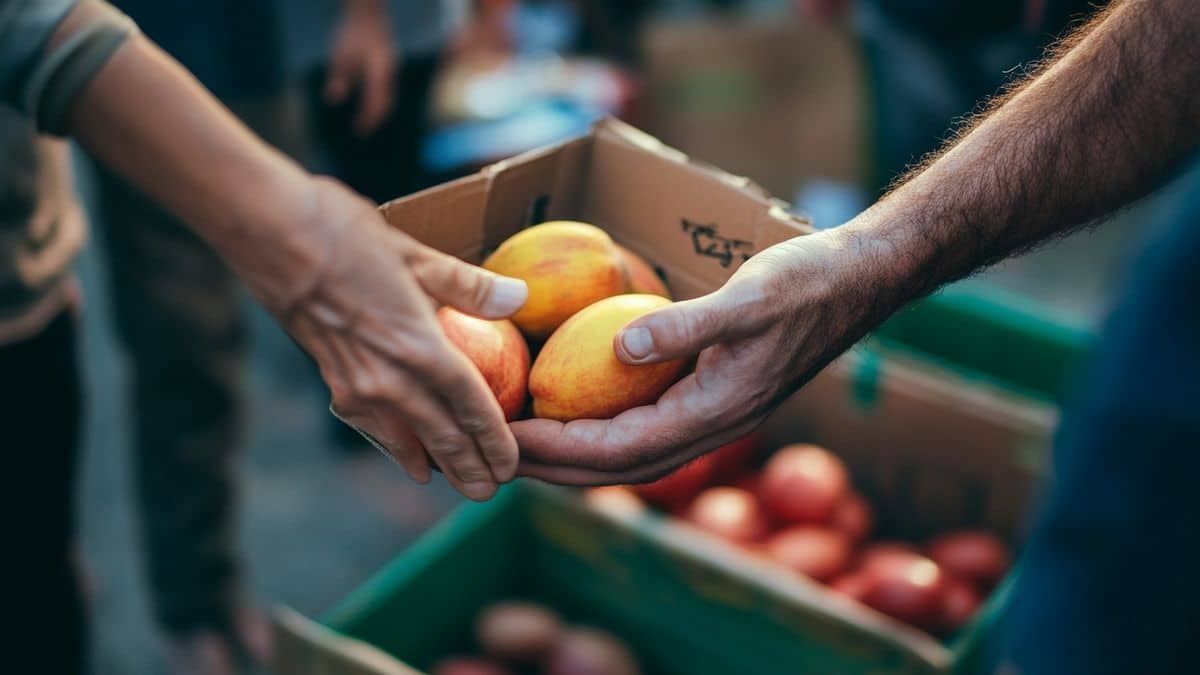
(682, 330)
(468, 288)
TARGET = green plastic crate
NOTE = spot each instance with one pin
(992, 336)
(682, 604)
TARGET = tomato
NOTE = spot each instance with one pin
(959, 604)
(729, 512)
(677, 488)
(854, 517)
(978, 557)
(731, 459)
(803, 484)
(815, 552)
(909, 590)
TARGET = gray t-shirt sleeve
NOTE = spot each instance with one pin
(40, 82)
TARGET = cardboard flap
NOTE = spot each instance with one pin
(448, 217)
(305, 647)
(533, 188)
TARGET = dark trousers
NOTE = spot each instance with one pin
(40, 410)
(387, 164)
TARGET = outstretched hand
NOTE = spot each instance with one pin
(781, 318)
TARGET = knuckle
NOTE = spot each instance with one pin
(474, 425)
(450, 447)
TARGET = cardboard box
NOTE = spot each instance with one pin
(780, 101)
(930, 450)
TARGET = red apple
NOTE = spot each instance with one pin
(731, 459)
(729, 512)
(676, 488)
(909, 590)
(853, 516)
(751, 482)
(616, 498)
(499, 352)
(815, 552)
(803, 484)
(959, 604)
(974, 556)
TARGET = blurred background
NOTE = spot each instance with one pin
(822, 103)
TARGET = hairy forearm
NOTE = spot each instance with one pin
(151, 121)
(1115, 109)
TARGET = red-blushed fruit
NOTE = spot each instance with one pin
(517, 631)
(911, 591)
(852, 585)
(464, 665)
(751, 482)
(587, 651)
(802, 484)
(977, 557)
(732, 459)
(497, 349)
(815, 552)
(615, 497)
(730, 513)
(678, 487)
(883, 553)
(854, 517)
(642, 277)
(959, 604)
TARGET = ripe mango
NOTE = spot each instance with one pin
(567, 266)
(642, 277)
(577, 374)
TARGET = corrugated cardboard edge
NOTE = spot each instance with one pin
(305, 647)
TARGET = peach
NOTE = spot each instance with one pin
(567, 266)
(499, 352)
(642, 277)
(577, 374)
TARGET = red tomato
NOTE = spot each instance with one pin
(815, 552)
(729, 512)
(959, 604)
(883, 553)
(802, 484)
(675, 489)
(974, 556)
(749, 481)
(852, 585)
(733, 458)
(909, 590)
(853, 516)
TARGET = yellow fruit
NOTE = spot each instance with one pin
(642, 277)
(567, 266)
(577, 374)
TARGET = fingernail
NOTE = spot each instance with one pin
(479, 491)
(508, 295)
(637, 342)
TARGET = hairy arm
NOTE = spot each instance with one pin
(1114, 109)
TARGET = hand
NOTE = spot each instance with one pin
(781, 318)
(364, 55)
(365, 311)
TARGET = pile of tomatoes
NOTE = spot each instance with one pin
(801, 511)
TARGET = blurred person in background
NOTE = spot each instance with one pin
(1107, 581)
(178, 315)
(357, 295)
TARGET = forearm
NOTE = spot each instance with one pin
(1096, 129)
(152, 122)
